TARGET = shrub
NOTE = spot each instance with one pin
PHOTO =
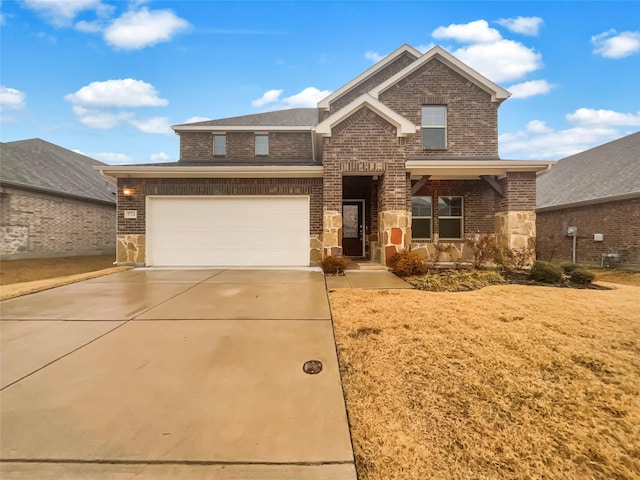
(438, 250)
(569, 267)
(514, 258)
(407, 263)
(545, 272)
(483, 248)
(582, 276)
(334, 265)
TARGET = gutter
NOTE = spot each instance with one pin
(224, 171)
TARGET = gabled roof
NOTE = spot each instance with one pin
(325, 102)
(608, 172)
(498, 94)
(403, 126)
(42, 166)
(304, 118)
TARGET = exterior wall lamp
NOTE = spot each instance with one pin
(127, 191)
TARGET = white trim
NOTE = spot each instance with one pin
(261, 171)
(325, 102)
(471, 169)
(403, 126)
(241, 128)
(498, 94)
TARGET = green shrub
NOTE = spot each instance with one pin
(545, 272)
(569, 267)
(582, 276)
(334, 265)
(483, 248)
(407, 263)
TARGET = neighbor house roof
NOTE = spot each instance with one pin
(608, 172)
(304, 118)
(42, 166)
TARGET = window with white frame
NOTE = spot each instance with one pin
(262, 145)
(434, 127)
(450, 218)
(421, 218)
(219, 145)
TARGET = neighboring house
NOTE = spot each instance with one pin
(53, 203)
(598, 192)
(404, 155)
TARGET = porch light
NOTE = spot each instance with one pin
(127, 191)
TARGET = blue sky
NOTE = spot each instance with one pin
(109, 78)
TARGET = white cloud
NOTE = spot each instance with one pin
(603, 118)
(375, 57)
(309, 97)
(612, 44)
(100, 119)
(530, 88)
(523, 25)
(502, 60)
(112, 158)
(160, 157)
(10, 98)
(117, 93)
(270, 96)
(143, 28)
(589, 128)
(89, 27)
(196, 119)
(473, 32)
(62, 12)
(155, 125)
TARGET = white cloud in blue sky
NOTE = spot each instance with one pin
(522, 25)
(144, 28)
(612, 44)
(530, 89)
(117, 93)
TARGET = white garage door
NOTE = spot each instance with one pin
(228, 231)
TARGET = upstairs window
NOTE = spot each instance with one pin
(219, 145)
(262, 145)
(434, 127)
(421, 218)
(450, 218)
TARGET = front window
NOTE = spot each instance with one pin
(434, 127)
(262, 145)
(421, 218)
(219, 145)
(450, 218)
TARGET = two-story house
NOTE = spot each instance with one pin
(404, 155)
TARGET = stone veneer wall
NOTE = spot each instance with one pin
(131, 232)
(38, 225)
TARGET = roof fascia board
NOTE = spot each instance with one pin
(498, 94)
(593, 201)
(212, 171)
(375, 68)
(403, 126)
(241, 128)
(474, 167)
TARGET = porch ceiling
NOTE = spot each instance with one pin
(472, 169)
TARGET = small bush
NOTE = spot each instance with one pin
(438, 250)
(514, 258)
(582, 276)
(545, 272)
(456, 280)
(569, 267)
(483, 248)
(407, 263)
(334, 265)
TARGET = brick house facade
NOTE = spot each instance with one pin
(411, 143)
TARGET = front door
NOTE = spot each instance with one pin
(353, 228)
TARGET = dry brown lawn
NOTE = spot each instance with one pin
(18, 271)
(511, 381)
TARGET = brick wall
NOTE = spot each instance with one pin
(472, 118)
(37, 225)
(519, 192)
(375, 80)
(283, 147)
(619, 222)
(214, 186)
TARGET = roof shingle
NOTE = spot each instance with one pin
(293, 117)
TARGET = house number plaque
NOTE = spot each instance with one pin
(130, 214)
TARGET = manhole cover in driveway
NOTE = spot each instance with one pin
(312, 367)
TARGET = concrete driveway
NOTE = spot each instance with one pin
(173, 374)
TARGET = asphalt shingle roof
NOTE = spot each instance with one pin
(609, 170)
(41, 165)
(293, 117)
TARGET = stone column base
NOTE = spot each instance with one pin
(332, 232)
(130, 249)
(394, 233)
(315, 249)
(516, 230)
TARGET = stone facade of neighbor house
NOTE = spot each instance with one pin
(53, 203)
(405, 155)
(598, 192)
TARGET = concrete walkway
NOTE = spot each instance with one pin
(191, 374)
(367, 279)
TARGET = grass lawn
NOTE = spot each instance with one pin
(509, 381)
(18, 271)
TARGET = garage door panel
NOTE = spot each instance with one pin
(228, 231)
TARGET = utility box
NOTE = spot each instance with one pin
(572, 231)
(598, 237)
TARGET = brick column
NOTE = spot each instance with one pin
(131, 233)
(394, 218)
(332, 207)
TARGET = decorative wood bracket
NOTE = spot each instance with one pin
(493, 183)
(418, 185)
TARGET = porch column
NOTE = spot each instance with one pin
(515, 218)
(394, 217)
(332, 211)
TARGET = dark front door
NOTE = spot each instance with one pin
(353, 228)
